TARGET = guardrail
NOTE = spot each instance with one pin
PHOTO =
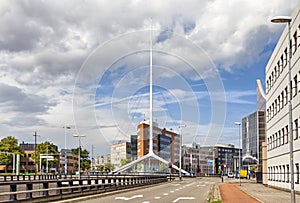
(45, 190)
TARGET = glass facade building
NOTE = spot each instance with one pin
(253, 134)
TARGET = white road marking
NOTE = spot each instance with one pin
(166, 194)
(201, 185)
(146, 202)
(156, 197)
(172, 191)
(128, 198)
(183, 198)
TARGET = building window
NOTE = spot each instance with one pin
(283, 136)
(296, 129)
(277, 175)
(286, 95)
(286, 134)
(287, 173)
(297, 173)
(280, 174)
(295, 41)
(275, 106)
(276, 140)
(282, 99)
(283, 167)
(295, 85)
(279, 66)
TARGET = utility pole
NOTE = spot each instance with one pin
(35, 135)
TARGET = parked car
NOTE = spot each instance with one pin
(230, 175)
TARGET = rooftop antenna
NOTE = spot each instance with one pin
(150, 153)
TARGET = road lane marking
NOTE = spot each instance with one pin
(166, 194)
(156, 197)
(171, 191)
(128, 198)
(183, 198)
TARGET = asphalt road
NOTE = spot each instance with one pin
(189, 190)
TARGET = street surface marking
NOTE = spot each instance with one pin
(146, 202)
(172, 191)
(201, 185)
(166, 194)
(156, 197)
(129, 198)
(183, 198)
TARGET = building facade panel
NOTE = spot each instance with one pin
(279, 92)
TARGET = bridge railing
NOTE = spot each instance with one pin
(50, 189)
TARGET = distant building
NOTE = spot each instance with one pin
(134, 146)
(253, 134)
(27, 162)
(119, 151)
(226, 158)
(207, 160)
(100, 160)
(166, 143)
(66, 155)
(260, 96)
(191, 158)
(198, 160)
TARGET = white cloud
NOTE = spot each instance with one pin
(43, 45)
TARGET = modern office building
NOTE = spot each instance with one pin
(166, 143)
(207, 161)
(119, 151)
(226, 158)
(260, 97)
(134, 144)
(253, 134)
(279, 92)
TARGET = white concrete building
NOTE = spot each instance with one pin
(278, 94)
(119, 151)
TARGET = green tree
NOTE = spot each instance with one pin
(101, 168)
(9, 144)
(109, 167)
(85, 162)
(46, 148)
(123, 162)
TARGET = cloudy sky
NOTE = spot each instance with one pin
(85, 64)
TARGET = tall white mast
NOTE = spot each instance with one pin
(151, 98)
(150, 153)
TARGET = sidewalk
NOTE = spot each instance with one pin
(252, 192)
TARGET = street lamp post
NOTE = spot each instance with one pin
(66, 159)
(35, 134)
(288, 19)
(239, 124)
(79, 147)
(180, 149)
